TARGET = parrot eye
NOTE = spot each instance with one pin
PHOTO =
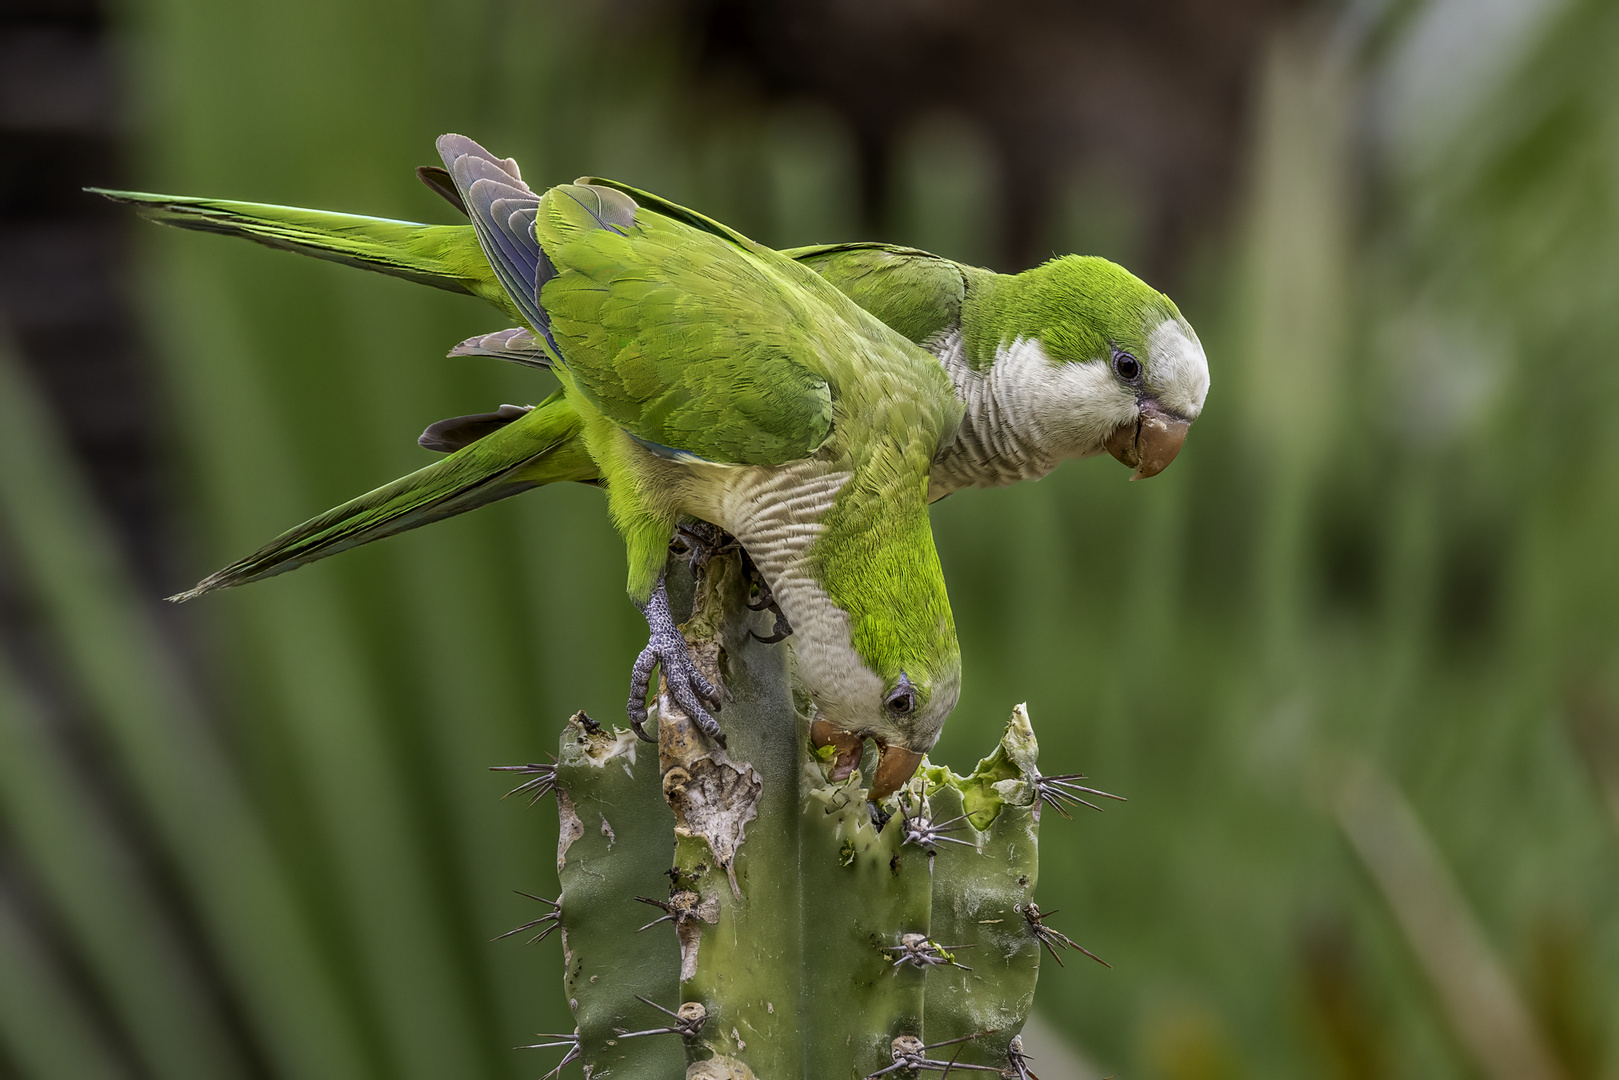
(901, 700)
(1128, 368)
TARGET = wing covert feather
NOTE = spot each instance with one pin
(684, 339)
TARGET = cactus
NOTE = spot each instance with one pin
(728, 912)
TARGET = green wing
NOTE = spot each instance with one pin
(916, 293)
(675, 212)
(685, 341)
(676, 328)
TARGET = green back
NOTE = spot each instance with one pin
(694, 338)
(919, 294)
(709, 354)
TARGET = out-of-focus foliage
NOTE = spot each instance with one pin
(1353, 659)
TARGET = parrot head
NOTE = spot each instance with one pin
(1104, 362)
(900, 715)
(880, 655)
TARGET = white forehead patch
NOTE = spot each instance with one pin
(1179, 370)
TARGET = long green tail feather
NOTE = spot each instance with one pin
(542, 447)
(443, 256)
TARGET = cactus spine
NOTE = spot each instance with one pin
(727, 912)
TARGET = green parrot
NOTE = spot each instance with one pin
(1067, 360)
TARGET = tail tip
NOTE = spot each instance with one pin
(206, 585)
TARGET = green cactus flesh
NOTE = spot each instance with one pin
(614, 846)
(790, 939)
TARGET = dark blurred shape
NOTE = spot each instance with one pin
(1187, 1040)
(1564, 997)
(1153, 97)
(1591, 714)
(1349, 559)
(1335, 996)
(65, 277)
(65, 306)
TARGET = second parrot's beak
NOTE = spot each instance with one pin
(1149, 443)
(895, 764)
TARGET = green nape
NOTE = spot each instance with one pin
(1076, 305)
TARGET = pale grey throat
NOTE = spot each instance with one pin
(777, 514)
(1025, 415)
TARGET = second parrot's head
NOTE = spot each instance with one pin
(878, 649)
(1108, 361)
(900, 715)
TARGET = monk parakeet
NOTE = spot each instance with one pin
(1062, 361)
(1066, 360)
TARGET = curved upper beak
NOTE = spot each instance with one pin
(895, 766)
(1149, 443)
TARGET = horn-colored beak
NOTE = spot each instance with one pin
(1150, 443)
(895, 766)
(849, 745)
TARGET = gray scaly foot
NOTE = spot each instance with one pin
(666, 647)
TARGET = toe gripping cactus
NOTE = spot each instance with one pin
(727, 912)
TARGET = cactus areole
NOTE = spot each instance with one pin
(735, 911)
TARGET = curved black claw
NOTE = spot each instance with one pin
(766, 598)
(780, 632)
(766, 601)
(703, 543)
(666, 648)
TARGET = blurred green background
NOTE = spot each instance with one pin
(1354, 660)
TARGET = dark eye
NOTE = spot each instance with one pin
(1126, 365)
(901, 700)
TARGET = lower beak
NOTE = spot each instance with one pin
(849, 748)
(895, 766)
(1149, 443)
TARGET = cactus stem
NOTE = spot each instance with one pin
(689, 1021)
(550, 920)
(1051, 937)
(765, 834)
(544, 777)
(1055, 791)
